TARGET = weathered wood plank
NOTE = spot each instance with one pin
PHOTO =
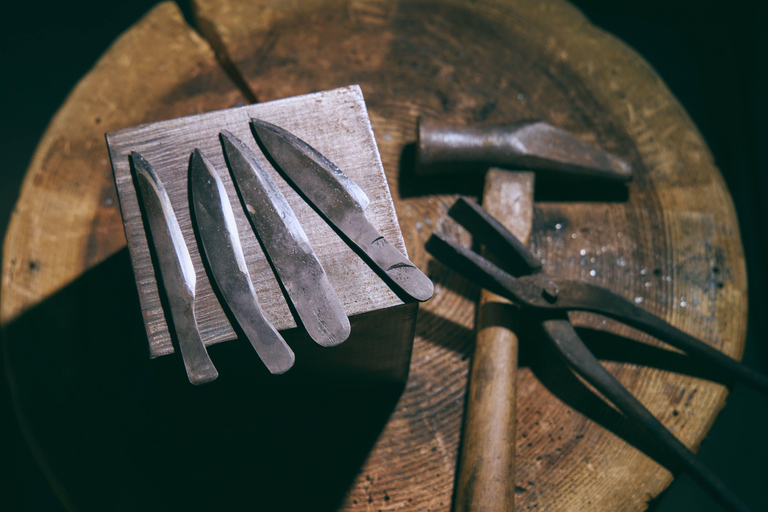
(336, 124)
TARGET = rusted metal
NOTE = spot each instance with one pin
(530, 145)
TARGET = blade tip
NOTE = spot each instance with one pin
(142, 168)
(226, 135)
(136, 158)
(258, 122)
(260, 126)
(228, 140)
(196, 160)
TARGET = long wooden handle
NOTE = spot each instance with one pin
(486, 473)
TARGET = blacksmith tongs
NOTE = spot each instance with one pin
(550, 298)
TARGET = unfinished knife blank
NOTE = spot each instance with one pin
(341, 203)
(220, 242)
(286, 246)
(176, 270)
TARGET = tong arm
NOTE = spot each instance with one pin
(496, 238)
(552, 295)
(477, 269)
(577, 356)
(578, 296)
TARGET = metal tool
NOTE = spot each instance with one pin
(548, 300)
(221, 245)
(176, 270)
(341, 203)
(530, 145)
(287, 247)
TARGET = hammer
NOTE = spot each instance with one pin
(486, 471)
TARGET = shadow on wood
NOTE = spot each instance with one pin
(537, 353)
(119, 428)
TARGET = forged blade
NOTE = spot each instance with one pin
(221, 245)
(326, 188)
(286, 246)
(176, 271)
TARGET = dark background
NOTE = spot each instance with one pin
(712, 55)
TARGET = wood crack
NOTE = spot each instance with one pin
(207, 31)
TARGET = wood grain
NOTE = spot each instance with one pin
(333, 122)
(674, 235)
(67, 217)
(486, 471)
(503, 61)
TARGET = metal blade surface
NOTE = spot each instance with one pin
(319, 181)
(221, 245)
(287, 247)
(176, 271)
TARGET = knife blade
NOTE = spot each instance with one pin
(287, 247)
(220, 240)
(176, 270)
(341, 203)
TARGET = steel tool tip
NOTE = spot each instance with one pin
(227, 138)
(259, 124)
(140, 164)
(201, 171)
(564, 151)
(532, 145)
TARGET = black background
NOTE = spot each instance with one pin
(712, 55)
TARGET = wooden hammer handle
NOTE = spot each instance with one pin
(486, 473)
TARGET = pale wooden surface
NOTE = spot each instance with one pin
(460, 62)
(333, 122)
(486, 471)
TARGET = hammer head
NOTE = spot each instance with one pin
(531, 145)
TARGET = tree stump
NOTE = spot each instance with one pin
(109, 426)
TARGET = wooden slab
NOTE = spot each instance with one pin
(333, 122)
(484, 61)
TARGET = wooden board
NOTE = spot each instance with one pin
(333, 122)
(672, 245)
